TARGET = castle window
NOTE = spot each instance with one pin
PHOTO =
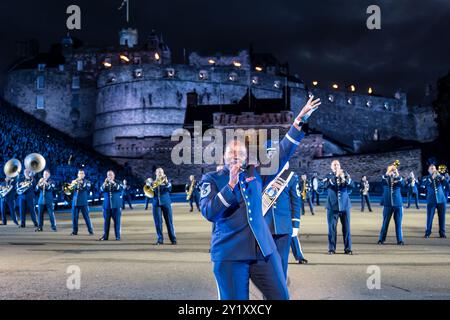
(170, 72)
(350, 101)
(40, 102)
(277, 84)
(386, 105)
(75, 101)
(75, 82)
(203, 75)
(80, 65)
(40, 83)
(233, 76)
(369, 104)
(61, 68)
(41, 66)
(331, 98)
(138, 73)
(255, 80)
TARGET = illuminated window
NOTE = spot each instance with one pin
(40, 102)
(255, 80)
(75, 82)
(40, 82)
(41, 66)
(203, 75)
(80, 65)
(277, 84)
(369, 104)
(233, 77)
(331, 98)
(170, 72)
(138, 73)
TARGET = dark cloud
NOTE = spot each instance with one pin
(322, 40)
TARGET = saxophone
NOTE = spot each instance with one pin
(304, 192)
(191, 191)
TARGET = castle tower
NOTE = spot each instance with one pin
(128, 37)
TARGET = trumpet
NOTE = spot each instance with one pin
(24, 186)
(150, 190)
(69, 188)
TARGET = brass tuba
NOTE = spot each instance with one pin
(35, 163)
(12, 168)
(148, 191)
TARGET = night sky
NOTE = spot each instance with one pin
(322, 40)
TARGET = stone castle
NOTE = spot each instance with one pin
(126, 101)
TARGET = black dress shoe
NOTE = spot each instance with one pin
(380, 242)
(158, 244)
(174, 243)
(400, 243)
(117, 239)
(348, 252)
(427, 237)
(39, 230)
(22, 227)
(103, 239)
(443, 236)
(331, 252)
(74, 234)
(303, 261)
(91, 233)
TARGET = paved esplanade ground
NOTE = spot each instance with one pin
(34, 265)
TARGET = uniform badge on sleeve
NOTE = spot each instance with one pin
(299, 193)
(206, 190)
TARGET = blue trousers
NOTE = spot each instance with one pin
(283, 246)
(311, 206)
(115, 214)
(416, 199)
(333, 217)
(76, 214)
(24, 207)
(233, 278)
(431, 210)
(158, 217)
(296, 248)
(398, 217)
(194, 198)
(51, 215)
(126, 199)
(12, 211)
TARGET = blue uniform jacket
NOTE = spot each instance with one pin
(112, 195)
(435, 189)
(338, 199)
(11, 196)
(29, 194)
(284, 215)
(81, 194)
(412, 189)
(162, 195)
(126, 191)
(392, 187)
(239, 225)
(46, 194)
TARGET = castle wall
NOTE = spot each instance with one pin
(154, 105)
(372, 165)
(355, 120)
(71, 111)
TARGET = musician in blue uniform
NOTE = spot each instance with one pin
(283, 215)
(126, 195)
(413, 191)
(25, 190)
(112, 205)
(338, 206)
(436, 200)
(162, 206)
(80, 188)
(193, 193)
(306, 191)
(242, 246)
(46, 186)
(7, 201)
(392, 184)
(364, 189)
